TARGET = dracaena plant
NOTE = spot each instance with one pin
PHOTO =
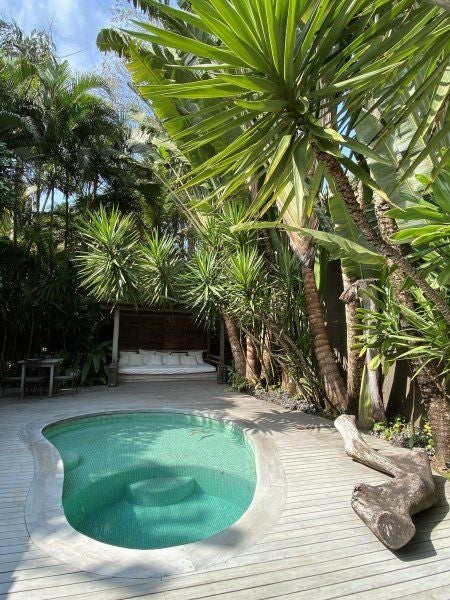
(277, 71)
(111, 261)
(425, 225)
(418, 335)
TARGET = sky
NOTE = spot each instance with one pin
(74, 25)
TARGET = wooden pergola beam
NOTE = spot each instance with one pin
(112, 373)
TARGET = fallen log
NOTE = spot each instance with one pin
(386, 508)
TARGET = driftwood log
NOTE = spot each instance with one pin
(386, 508)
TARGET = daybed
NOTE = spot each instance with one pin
(146, 365)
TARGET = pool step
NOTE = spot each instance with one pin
(160, 491)
(70, 459)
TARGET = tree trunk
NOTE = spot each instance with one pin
(355, 362)
(267, 371)
(333, 383)
(373, 376)
(287, 382)
(385, 247)
(38, 197)
(94, 191)
(354, 294)
(15, 218)
(437, 404)
(235, 344)
(252, 366)
(66, 219)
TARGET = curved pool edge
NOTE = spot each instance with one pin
(49, 529)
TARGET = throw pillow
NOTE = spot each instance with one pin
(198, 355)
(188, 360)
(124, 359)
(171, 360)
(154, 360)
(146, 356)
(135, 360)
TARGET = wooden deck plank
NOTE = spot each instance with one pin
(319, 547)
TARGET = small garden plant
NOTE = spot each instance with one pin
(405, 435)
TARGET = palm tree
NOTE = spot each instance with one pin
(335, 59)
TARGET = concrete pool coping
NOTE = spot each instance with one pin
(49, 529)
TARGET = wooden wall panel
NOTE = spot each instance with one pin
(160, 331)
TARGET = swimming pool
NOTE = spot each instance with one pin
(153, 480)
(51, 532)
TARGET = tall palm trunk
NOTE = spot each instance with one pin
(66, 219)
(434, 397)
(15, 218)
(235, 345)
(385, 247)
(52, 210)
(38, 196)
(332, 381)
(252, 362)
(18, 179)
(355, 362)
(352, 296)
(267, 371)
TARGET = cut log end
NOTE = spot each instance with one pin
(394, 532)
(387, 508)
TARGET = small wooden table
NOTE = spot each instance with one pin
(45, 363)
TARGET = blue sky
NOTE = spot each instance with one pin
(73, 23)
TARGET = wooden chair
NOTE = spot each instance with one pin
(69, 379)
(35, 378)
(10, 382)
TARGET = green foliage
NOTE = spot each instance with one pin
(203, 285)
(64, 149)
(403, 434)
(94, 361)
(335, 57)
(161, 266)
(236, 381)
(425, 225)
(247, 285)
(111, 265)
(352, 254)
(402, 333)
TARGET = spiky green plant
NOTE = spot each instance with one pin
(111, 265)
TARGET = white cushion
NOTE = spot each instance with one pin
(198, 355)
(167, 370)
(171, 360)
(188, 360)
(153, 360)
(146, 356)
(135, 359)
(124, 357)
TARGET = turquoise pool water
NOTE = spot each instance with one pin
(153, 480)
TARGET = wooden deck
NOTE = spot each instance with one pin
(319, 548)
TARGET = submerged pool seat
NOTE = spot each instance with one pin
(160, 491)
(70, 459)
